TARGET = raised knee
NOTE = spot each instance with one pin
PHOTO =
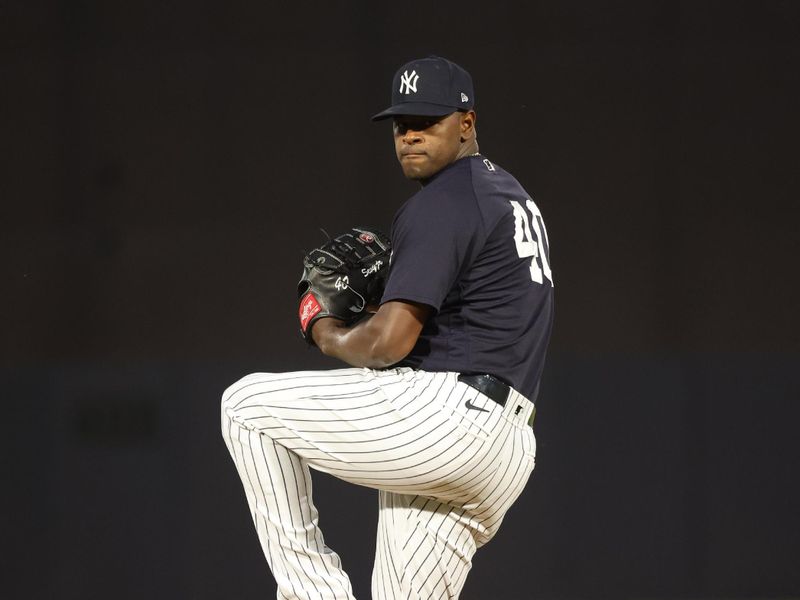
(236, 389)
(238, 393)
(230, 399)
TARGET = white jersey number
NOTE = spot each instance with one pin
(526, 244)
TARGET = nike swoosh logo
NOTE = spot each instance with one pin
(469, 404)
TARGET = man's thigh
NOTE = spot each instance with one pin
(393, 429)
(424, 548)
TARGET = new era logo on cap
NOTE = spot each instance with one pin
(430, 87)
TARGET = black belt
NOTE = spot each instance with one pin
(494, 389)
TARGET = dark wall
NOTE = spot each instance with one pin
(164, 165)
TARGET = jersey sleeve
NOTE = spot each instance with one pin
(433, 238)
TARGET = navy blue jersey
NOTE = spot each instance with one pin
(472, 245)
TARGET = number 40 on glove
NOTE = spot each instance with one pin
(342, 277)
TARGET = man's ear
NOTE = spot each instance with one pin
(468, 125)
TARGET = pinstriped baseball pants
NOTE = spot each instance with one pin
(447, 461)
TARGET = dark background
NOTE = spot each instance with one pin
(164, 165)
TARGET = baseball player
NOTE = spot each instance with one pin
(436, 410)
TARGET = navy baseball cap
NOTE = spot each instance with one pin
(429, 87)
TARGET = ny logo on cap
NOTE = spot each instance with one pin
(408, 83)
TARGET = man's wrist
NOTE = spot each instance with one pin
(322, 330)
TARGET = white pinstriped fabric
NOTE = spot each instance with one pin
(446, 474)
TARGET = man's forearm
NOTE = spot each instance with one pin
(358, 346)
(378, 341)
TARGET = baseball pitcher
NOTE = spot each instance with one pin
(445, 326)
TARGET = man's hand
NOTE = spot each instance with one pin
(342, 278)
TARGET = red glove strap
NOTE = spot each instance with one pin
(309, 308)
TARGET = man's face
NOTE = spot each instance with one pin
(425, 145)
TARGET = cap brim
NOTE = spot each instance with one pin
(417, 109)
